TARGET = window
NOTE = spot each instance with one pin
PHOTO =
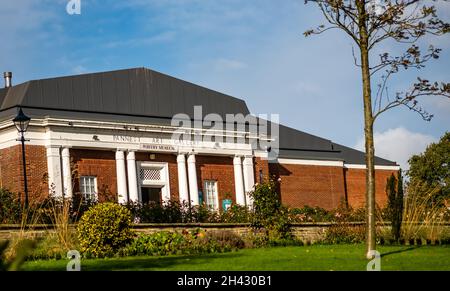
(88, 187)
(211, 195)
(150, 174)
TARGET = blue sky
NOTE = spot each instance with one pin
(251, 49)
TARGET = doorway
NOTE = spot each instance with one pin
(151, 195)
(154, 182)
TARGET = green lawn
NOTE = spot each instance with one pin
(317, 257)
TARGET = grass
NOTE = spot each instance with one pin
(316, 257)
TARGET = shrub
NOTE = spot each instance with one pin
(199, 241)
(343, 232)
(202, 213)
(268, 213)
(104, 229)
(222, 241)
(394, 191)
(172, 212)
(189, 242)
(256, 239)
(236, 214)
(10, 207)
(50, 247)
(79, 205)
(167, 212)
(310, 214)
(317, 214)
(160, 243)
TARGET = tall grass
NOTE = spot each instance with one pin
(60, 217)
(423, 218)
(29, 217)
(50, 242)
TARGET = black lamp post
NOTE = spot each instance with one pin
(21, 122)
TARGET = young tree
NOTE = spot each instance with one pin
(394, 191)
(370, 24)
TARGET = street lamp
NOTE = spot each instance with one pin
(21, 121)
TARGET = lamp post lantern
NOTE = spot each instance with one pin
(21, 121)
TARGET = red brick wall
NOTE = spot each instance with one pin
(302, 185)
(220, 169)
(261, 165)
(101, 164)
(171, 160)
(11, 170)
(356, 186)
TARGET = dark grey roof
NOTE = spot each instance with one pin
(316, 148)
(352, 156)
(146, 96)
(137, 91)
(297, 144)
(294, 139)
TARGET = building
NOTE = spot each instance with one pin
(109, 136)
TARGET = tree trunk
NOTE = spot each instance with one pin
(368, 133)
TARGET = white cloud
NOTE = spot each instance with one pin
(398, 144)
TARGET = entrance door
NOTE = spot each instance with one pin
(154, 182)
(151, 195)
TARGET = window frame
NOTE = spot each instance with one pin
(215, 205)
(92, 196)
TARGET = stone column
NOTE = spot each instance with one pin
(193, 186)
(121, 177)
(182, 179)
(238, 181)
(54, 171)
(132, 177)
(67, 173)
(249, 178)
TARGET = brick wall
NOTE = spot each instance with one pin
(219, 169)
(101, 164)
(310, 185)
(261, 166)
(356, 186)
(300, 184)
(11, 170)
